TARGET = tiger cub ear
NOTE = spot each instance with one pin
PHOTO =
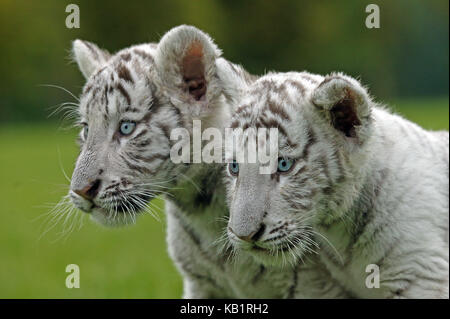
(88, 56)
(186, 63)
(345, 103)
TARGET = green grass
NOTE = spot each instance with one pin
(131, 262)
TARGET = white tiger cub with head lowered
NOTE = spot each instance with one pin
(355, 184)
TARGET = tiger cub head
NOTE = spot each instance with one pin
(130, 103)
(324, 126)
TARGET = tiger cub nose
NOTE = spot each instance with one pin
(90, 191)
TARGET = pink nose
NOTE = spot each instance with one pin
(90, 191)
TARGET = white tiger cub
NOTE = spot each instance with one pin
(355, 184)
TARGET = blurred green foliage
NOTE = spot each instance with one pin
(406, 57)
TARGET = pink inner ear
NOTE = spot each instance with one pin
(194, 71)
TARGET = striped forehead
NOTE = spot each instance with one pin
(276, 101)
(123, 85)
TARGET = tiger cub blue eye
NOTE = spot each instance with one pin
(126, 128)
(233, 168)
(284, 164)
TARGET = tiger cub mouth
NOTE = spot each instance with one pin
(126, 204)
